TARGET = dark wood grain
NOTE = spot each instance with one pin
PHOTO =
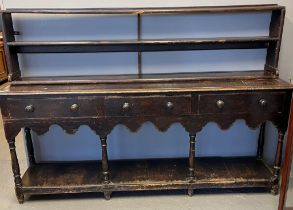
(105, 165)
(141, 45)
(191, 164)
(16, 171)
(204, 85)
(246, 102)
(146, 175)
(271, 42)
(54, 107)
(148, 105)
(153, 10)
(276, 29)
(277, 163)
(149, 78)
(11, 57)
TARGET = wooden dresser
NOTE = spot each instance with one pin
(102, 102)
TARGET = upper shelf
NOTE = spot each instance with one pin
(141, 45)
(152, 10)
(270, 42)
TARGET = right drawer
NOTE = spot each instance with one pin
(272, 102)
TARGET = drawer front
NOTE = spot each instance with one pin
(52, 107)
(241, 103)
(147, 105)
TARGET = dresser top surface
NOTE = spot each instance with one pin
(208, 85)
(149, 10)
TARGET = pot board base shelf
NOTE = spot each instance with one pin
(151, 174)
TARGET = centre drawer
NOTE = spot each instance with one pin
(53, 107)
(263, 102)
(147, 105)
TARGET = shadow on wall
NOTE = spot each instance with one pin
(147, 142)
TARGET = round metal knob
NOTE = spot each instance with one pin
(126, 106)
(74, 107)
(220, 104)
(29, 108)
(169, 105)
(263, 102)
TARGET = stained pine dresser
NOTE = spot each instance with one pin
(102, 102)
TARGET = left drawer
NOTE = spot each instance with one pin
(52, 107)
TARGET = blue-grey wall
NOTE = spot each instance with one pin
(90, 27)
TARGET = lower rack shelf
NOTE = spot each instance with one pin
(154, 174)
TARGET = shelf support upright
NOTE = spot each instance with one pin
(191, 168)
(139, 56)
(277, 163)
(273, 50)
(11, 56)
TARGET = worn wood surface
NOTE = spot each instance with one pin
(141, 45)
(146, 175)
(184, 86)
(153, 10)
(143, 78)
(148, 105)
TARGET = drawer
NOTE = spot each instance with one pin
(148, 105)
(241, 103)
(53, 107)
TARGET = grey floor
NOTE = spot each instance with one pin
(170, 201)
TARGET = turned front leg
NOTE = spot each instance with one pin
(16, 171)
(277, 164)
(191, 168)
(105, 166)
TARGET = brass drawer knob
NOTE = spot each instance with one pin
(169, 105)
(126, 106)
(263, 102)
(74, 107)
(220, 104)
(29, 108)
